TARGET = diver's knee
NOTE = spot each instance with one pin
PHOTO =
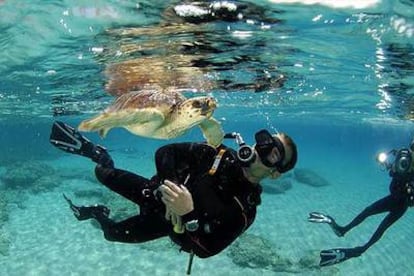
(109, 236)
(103, 173)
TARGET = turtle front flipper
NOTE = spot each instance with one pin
(212, 131)
(146, 122)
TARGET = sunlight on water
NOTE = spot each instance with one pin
(286, 57)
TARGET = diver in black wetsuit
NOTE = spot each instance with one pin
(202, 197)
(396, 204)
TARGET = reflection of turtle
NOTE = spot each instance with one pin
(156, 114)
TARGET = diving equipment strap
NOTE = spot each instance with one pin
(216, 162)
(213, 170)
(190, 263)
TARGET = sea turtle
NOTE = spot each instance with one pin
(158, 114)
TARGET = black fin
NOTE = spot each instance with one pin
(87, 212)
(70, 140)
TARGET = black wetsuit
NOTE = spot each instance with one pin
(396, 204)
(224, 202)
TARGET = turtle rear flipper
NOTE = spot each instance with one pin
(104, 121)
(132, 119)
(212, 131)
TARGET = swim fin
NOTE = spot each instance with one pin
(70, 140)
(338, 255)
(317, 217)
(87, 212)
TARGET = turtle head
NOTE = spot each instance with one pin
(206, 105)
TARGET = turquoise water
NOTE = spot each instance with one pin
(339, 80)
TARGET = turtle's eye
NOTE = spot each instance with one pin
(197, 104)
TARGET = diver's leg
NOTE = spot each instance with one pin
(147, 226)
(136, 229)
(134, 187)
(396, 206)
(337, 255)
(380, 206)
(399, 207)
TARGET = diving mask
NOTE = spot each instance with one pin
(265, 144)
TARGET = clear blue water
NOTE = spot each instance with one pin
(338, 80)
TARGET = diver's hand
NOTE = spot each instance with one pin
(176, 198)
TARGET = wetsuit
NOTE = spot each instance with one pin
(224, 202)
(396, 204)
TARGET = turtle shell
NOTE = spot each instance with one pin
(165, 101)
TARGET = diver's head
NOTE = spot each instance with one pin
(277, 152)
(398, 162)
(403, 162)
(271, 156)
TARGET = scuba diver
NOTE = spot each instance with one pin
(400, 165)
(202, 197)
